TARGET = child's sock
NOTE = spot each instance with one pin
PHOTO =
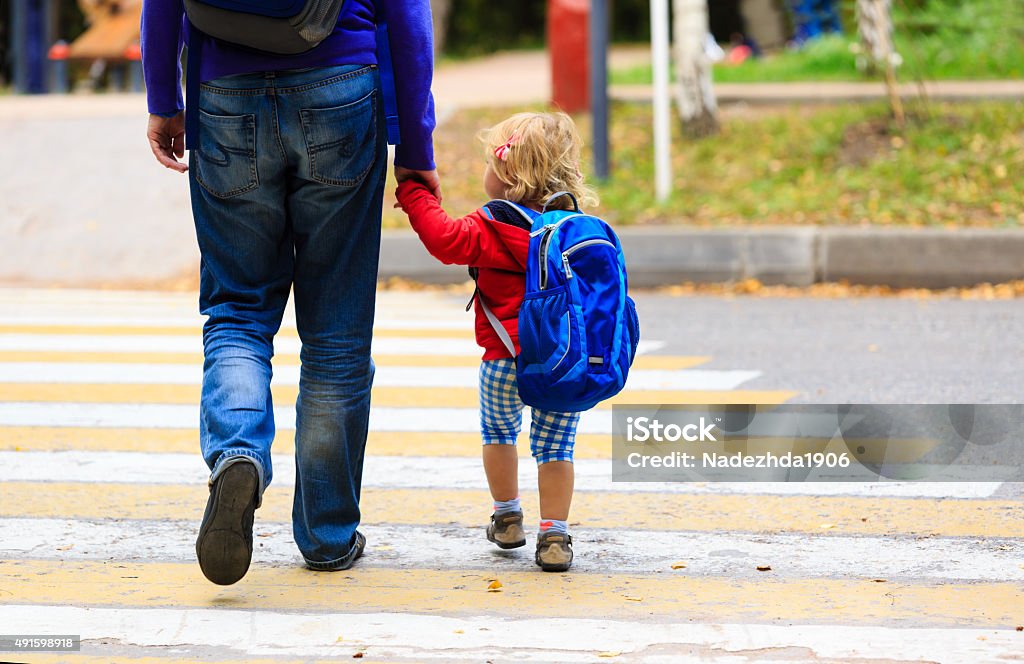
(506, 506)
(554, 526)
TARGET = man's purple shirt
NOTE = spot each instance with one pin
(353, 42)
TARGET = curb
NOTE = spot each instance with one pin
(837, 93)
(793, 256)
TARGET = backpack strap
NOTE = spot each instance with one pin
(387, 82)
(505, 212)
(499, 329)
(195, 47)
(510, 213)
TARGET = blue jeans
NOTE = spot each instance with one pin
(287, 186)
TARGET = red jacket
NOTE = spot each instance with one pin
(495, 243)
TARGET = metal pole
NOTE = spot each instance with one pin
(18, 59)
(52, 27)
(662, 104)
(36, 19)
(599, 85)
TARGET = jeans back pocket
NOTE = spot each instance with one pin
(226, 156)
(341, 141)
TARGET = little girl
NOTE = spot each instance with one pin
(530, 157)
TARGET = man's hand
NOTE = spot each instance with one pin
(429, 179)
(167, 140)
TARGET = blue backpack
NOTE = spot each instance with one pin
(578, 329)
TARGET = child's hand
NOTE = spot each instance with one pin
(429, 179)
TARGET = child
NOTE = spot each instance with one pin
(530, 156)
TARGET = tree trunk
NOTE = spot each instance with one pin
(874, 24)
(440, 10)
(698, 109)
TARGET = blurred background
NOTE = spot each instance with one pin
(824, 113)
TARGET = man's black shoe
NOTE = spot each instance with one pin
(224, 545)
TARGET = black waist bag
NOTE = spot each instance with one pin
(284, 27)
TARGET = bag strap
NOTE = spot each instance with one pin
(195, 47)
(386, 66)
(499, 329)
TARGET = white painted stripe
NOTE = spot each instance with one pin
(735, 555)
(129, 343)
(433, 473)
(174, 416)
(386, 376)
(477, 638)
(59, 300)
(454, 323)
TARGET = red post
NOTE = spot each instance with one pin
(568, 46)
(58, 56)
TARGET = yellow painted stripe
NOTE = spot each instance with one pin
(344, 650)
(657, 362)
(186, 441)
(397, 397)
(196, 331)
(847, 515)
(367, 589)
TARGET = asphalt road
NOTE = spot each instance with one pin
(856, 350)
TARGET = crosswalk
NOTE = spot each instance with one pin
(102, 489)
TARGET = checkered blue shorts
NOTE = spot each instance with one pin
(552, 435)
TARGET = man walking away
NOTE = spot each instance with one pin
(287, 170)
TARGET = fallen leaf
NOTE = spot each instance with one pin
(358, 655)
(460, 631)
(609, 653)
(983, 638)
(383, 547)
(494, 586)
(263, 534)
(880, 580)
(1020, 628)
(764, 568)
(340, 639)
(630, 598)
(678, 565)
(827, 526)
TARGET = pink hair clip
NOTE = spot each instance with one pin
(501, 152)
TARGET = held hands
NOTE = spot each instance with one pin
(429, 179)
(167, 140)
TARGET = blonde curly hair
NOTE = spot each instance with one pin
(537, 155)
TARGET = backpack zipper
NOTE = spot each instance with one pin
(576, 247)
(544, 241)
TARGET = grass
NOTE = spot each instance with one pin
(941, 40)
(955, 165)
